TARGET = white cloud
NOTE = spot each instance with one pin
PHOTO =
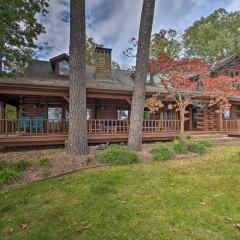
(57, 31)
(114, 22)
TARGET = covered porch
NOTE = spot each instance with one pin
(41, 118)
(54, 132)
(48, 132)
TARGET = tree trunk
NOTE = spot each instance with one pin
(220, 119)
(138, 101)
(182, 120)
(77, 103)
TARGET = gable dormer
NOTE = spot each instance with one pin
(60, 65)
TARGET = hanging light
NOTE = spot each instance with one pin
(170, 106)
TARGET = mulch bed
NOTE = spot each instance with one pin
(61, 163)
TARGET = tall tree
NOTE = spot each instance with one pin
(166, 41)
(137, 109)
(214, 37)
(18, 29)
(90, 51)
(77, 104)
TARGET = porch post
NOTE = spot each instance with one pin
(190, 118)
(233, 112)
(2, 112)
(63, 111)
(17, 112)
(2, 116)
(220, 119)
(46, 110)
(63, 117)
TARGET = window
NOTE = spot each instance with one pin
(227, 114)
(166, 114)
(123, 114)
(148, 78)
(237, 84)
(89, 113)
(236, 73)
(226, 73)
(232, 74)
(64, 68)
(147, 114)
(54, 113)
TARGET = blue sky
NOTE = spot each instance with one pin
(114, 22)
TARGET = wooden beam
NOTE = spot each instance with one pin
(33, 91)
(107, 96)
(66, 98)
(129, 101)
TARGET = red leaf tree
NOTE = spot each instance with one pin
(180, 80)
(184, 78)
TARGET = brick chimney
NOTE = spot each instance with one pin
(103, 62)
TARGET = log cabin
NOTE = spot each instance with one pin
(41, 96)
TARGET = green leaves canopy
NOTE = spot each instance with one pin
(166, 41)
(18, 29)
(214, 37)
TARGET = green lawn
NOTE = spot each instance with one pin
(190, 199)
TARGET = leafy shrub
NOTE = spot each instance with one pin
(8, 176)
(162, 153)
(116, 154)
(196, 147)
(19, 166)
(178, 148)
(44, 161)
(3, 164)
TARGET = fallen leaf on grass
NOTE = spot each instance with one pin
(237, 225)
(23, 226)
(82, 228)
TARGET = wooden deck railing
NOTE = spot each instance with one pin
(95, 126)
(231, 125)
(33, 127)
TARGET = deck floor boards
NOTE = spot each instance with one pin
(56, 139)
(59, 139)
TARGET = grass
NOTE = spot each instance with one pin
(194, 199)
(9, 171)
